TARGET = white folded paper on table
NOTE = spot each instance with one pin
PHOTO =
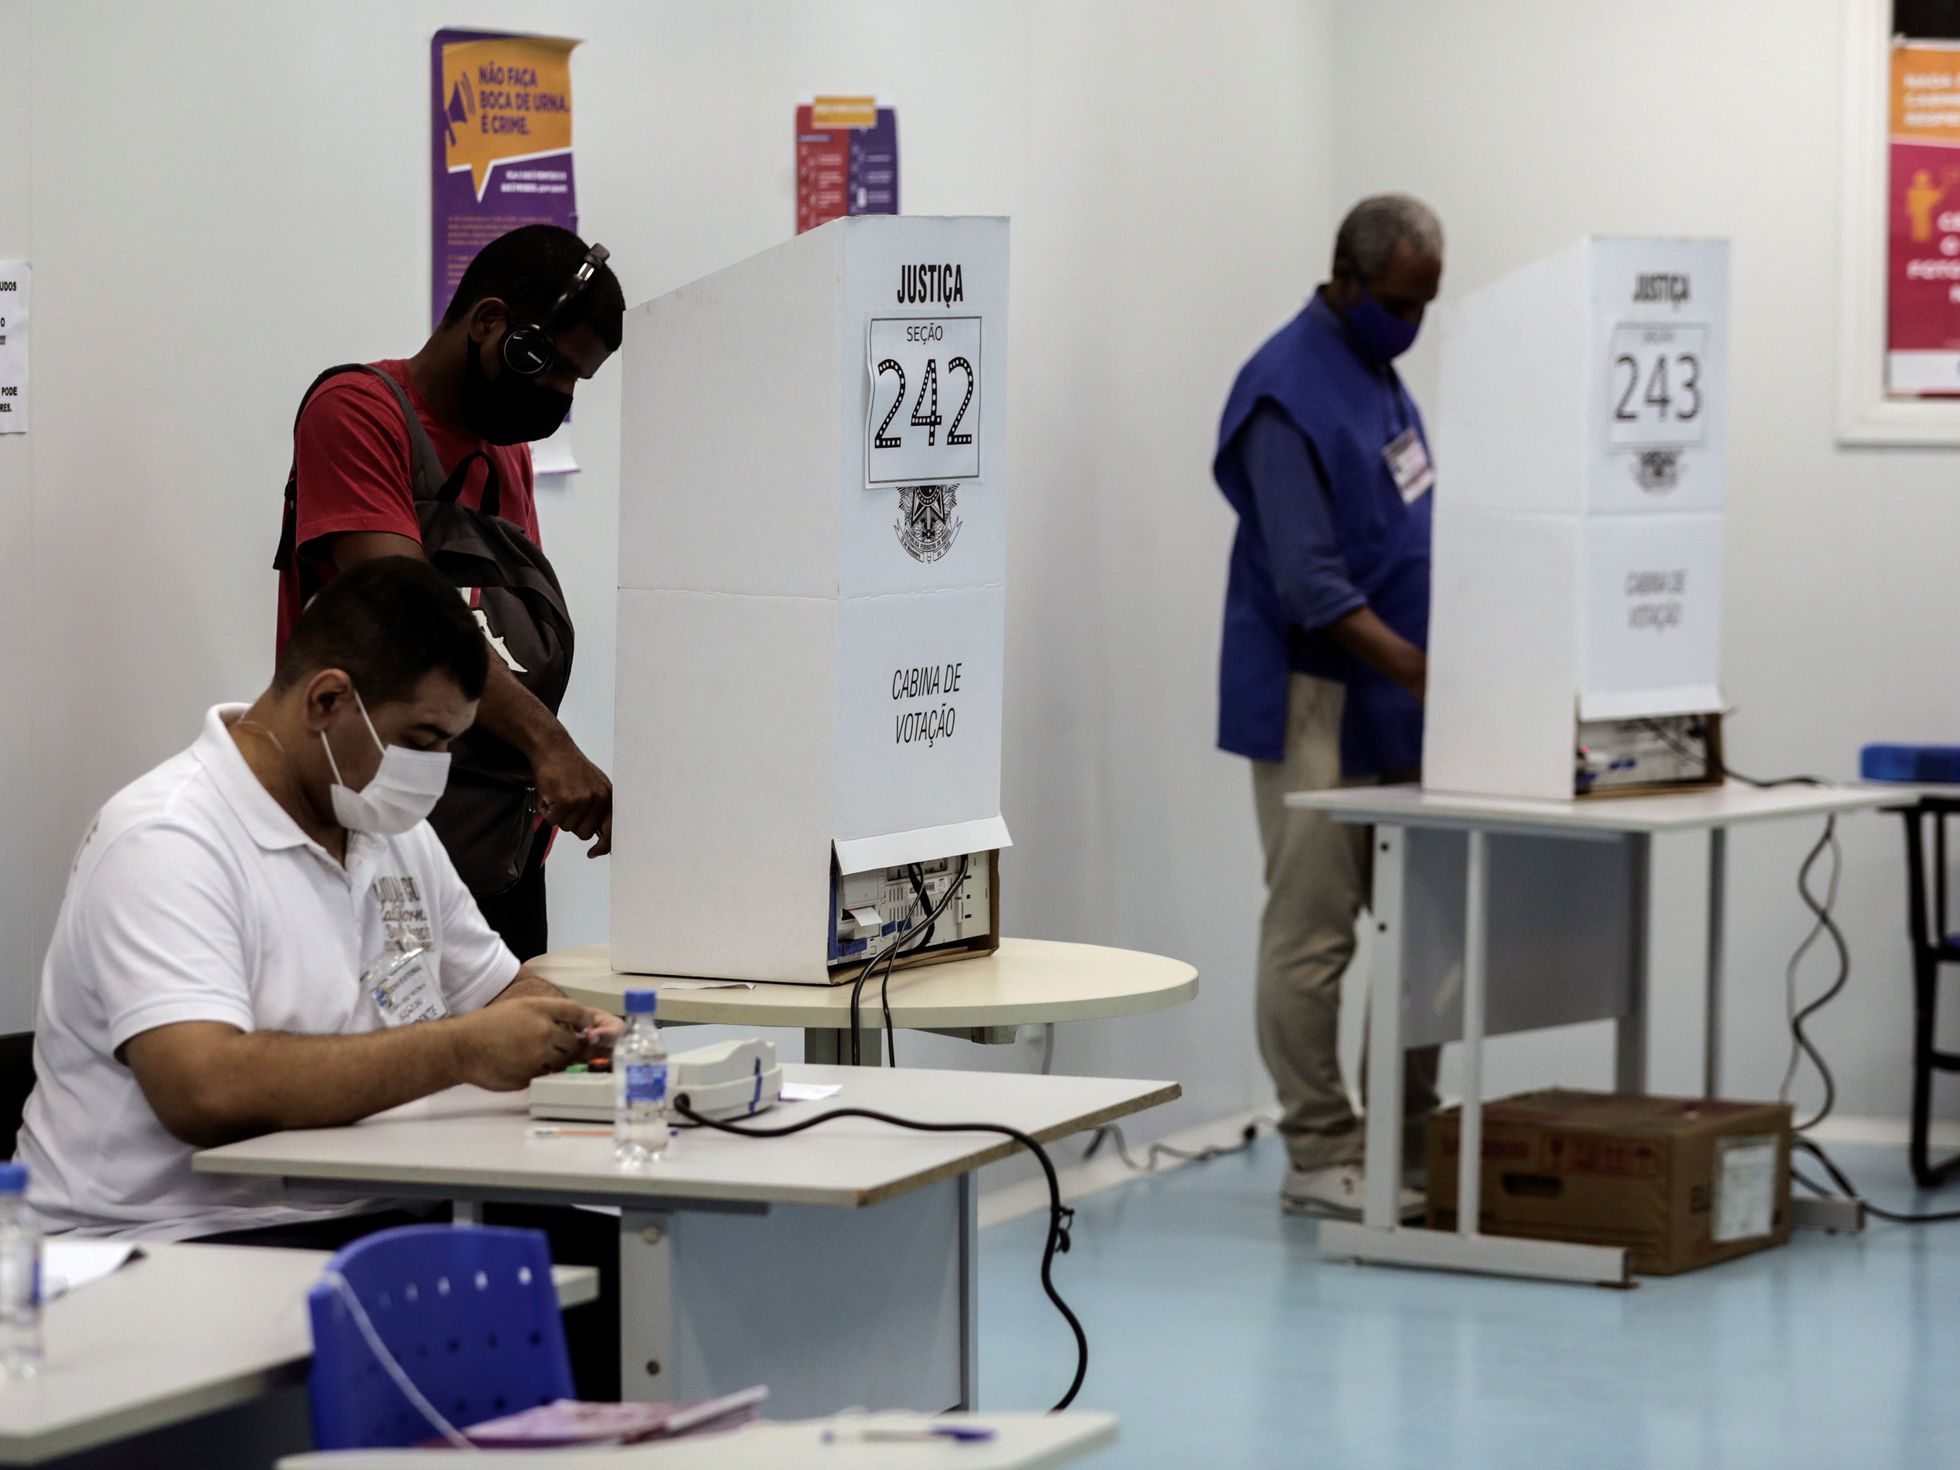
(810, 1091)
(67, 1264)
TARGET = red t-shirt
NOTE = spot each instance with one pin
(351, 453)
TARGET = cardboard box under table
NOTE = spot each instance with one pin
(1680, 1183)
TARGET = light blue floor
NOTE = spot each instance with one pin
(1221, 1340)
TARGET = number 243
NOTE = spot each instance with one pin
(1657, 391)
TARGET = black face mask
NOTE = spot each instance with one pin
(508, 409)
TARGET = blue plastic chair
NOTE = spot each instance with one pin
(471, 1315)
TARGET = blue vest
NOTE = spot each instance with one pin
(1349, 411)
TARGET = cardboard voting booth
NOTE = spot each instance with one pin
(811, 606)
(1575, 614)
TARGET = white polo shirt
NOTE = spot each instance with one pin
(197, 898)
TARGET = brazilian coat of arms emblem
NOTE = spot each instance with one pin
(926, 524)
(1658, 471)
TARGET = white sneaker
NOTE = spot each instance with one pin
(1337, 1191)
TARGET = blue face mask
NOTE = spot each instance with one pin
(1379, 333)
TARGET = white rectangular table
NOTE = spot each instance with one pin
(1397, 812)
(839, 1266)
(186, 1331)
(1021, 1442)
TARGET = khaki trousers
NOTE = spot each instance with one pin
(1318, 873)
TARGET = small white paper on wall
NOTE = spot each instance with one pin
(16, 277)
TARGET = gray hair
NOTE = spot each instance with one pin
(1375, 226)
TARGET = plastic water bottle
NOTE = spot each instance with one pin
(639, 1064)
(20, 1278)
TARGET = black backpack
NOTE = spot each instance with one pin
(488, 816)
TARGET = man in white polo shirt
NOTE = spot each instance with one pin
(263, 933)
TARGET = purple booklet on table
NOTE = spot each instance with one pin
(570, 1422)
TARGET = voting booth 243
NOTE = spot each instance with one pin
(811, 607)
(1575, 611)
(1576, 592)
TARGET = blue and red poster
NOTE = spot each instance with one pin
(846, 159)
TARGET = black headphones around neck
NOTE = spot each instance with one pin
(528, 349)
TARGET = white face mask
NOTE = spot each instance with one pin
(404, 790)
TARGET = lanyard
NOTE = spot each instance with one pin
(1405, 409)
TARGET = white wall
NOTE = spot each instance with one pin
(18, 660)
(1178, 179)
(228, 196)
(1530, 124)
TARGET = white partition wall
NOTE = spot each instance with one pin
(1578, 549)
(812, 556)
(20, 955)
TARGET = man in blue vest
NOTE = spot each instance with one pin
(1321, 453)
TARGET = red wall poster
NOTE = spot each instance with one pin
(1922, 287)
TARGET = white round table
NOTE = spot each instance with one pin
(1027, 982)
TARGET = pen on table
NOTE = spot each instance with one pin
(877, 1434)
(541, 1131)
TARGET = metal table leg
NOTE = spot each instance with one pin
(969, 1208)
(1379, 1236)
(1718, 888)
(1386, 1060)
(1630, 1039)
(646, 1294)
(1470, 1159)
(832, 1047)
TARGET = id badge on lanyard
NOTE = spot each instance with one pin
(1408, 462)
(402, 986)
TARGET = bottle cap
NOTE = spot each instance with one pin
(640, 1002)
(13, 1179)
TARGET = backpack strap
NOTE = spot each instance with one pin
(491, 501)
(486, 571)
(424, 468)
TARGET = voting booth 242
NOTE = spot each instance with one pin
(1576, 591)
(811, 607)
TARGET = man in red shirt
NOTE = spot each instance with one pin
(354, 497)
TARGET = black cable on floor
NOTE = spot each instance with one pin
(1248, 1135)
(1850, 1191)
(1059, 1218)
